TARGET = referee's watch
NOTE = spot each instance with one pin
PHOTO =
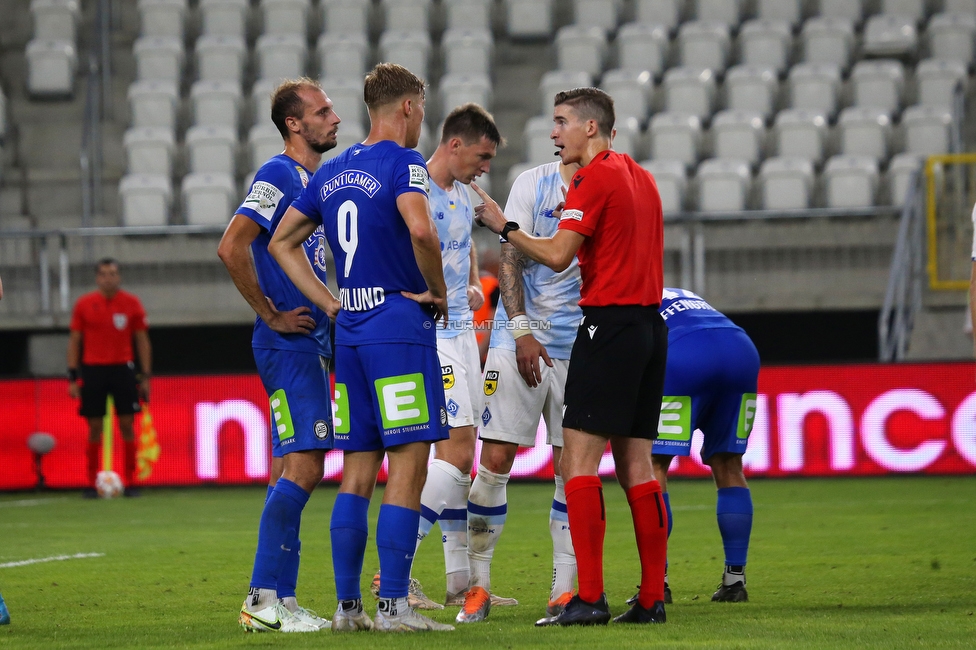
(509, 227)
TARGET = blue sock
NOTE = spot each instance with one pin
(277, 532)
(349, 530)
(667, 508)
(288, 578)
(396, 541)
(734, 513)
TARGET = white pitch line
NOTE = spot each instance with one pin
(23, 503)
(53, 558)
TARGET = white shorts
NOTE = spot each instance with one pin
(461, 370)
(512, 409)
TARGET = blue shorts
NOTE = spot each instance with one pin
(297, 384)
(388, 394)
(710, 384)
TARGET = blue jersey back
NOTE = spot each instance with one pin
(276, 185)
(686, 312)
(353, 196)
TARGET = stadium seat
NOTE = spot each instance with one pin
(342, 54)
(162, 17)
(350, 133)
(467, 51)
(211, 149)
(950, 37)
(264, 142)
(851, 182)
(153, 103)
(914, 9)
(766, 43)
(556, 81)
(642, 46)
(631, 92)
(146, 199)
(936, 81)
(342, 17)
(667, 13)
(690, 90)
(581, 48)
(158, 58)
(788, 11)
(261, 101)
(927, 129)
(55, 20)
(3, 114)
(752, 88)
(208, 199)
(878, 83)
(723, 185)
(281, 56)
(149, 150)
(676, 136)
(900, 170)
(890, 35)
(224, 17)
(411, 49)
(828, 40)
(852, 10)
(704, 45)
(801, 133)
(787, 183)
(285, 16)
(51, 68)
(960, 7)
(538, 145)
(407, 15)
(457, 89)
(528, 18)
(216, 103)
(864, 132)
(346, 94)
(515, 171)
(739, 135)
(728, 12)
(628, 137)
(220, 58)
(814, 86)
(469, 14)
(598, 13)
(672, 182)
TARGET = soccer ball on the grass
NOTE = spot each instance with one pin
(108, 485)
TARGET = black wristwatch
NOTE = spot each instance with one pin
(509, 227)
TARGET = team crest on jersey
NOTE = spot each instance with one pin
(321, 429)
(447, 372)
(302, 174)
(491, 382)
(120, 321)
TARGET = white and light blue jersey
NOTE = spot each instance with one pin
(453, 216)
(685, 312)
(551, 298)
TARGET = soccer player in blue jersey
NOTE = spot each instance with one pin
(372, 201)
(710, 384)
(291, 347)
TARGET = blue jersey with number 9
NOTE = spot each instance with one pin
(353, 196)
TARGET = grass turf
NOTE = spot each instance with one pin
(881, 562)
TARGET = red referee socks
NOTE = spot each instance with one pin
(94, 456)
(651, 530)
(587, 527)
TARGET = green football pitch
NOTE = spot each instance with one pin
(887, 562)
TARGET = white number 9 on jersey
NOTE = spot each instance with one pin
(348, 232)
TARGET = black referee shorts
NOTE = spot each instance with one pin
(616, 372)
(97, 382)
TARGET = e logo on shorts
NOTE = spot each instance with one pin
(675, 422)
(403, 400)
(281, 415)
(340, 414)
(747, 416)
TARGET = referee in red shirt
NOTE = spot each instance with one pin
(100, 362)
(612, 220)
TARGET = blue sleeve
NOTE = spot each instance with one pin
(308, 202)
(269, 196)
(410, 174)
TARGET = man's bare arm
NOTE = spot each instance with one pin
(74, 359)
(511, 265)
(415, 209)
(144, 350)
(287, 248)
(476, 294)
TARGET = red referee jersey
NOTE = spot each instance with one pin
(614, 202)
(107, 326)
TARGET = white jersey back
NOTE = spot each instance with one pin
(453, 216)
(550, 297)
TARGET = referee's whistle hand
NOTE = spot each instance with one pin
(488, 214)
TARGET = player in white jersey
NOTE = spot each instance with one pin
(524, 378)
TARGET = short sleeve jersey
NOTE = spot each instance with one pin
(686, 312)
(550, 297)
(453, 216)
(615, 204)
(107, 326)
(276, 185)
(354, 197)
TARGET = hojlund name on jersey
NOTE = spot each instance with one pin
(351, 178)
(362, 298)
(685, 305)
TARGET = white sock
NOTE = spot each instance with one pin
(258, 599)
(441, 478)
(290, 603)
(487, 510)
(563, 555)
(454, 528)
